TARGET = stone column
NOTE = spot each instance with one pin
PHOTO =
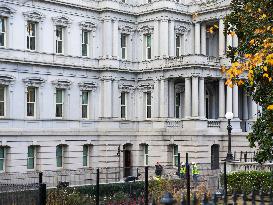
(163, 98)
(171, 39)
(221, 98)
(229, 41)
(116, 101)
(107, 98)
(171, 98)
(156, 39)
(197, 38)
(235, 41)
(202, 97)
(254, 110)
(235, 101)
(203, 38)
(187, 97)
(115, 39)
(107, 38)
(245, 106)
(195, 100)
(229, 99)
(221, 38)
(155, 108)
(164, 37)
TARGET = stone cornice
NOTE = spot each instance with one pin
(88, 25)
(125, 87)
(88, 85)
(6, 11)
(62, 83)
(34, 81)
(61, 21)
(6, 79)
(145, 87)
(35, 16)
(145, 29)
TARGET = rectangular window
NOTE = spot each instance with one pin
(123, 105)
(2, 101)
(85, 104)
(148, 105)
(59, 39)
(31, 101)
(31, 35)
(177, 105)
(85, 43)
(123, 46)
(31, 157)
(175, 155)
(146, 155)
(59, 155)
(2, 32)
(59, 102)
(178, 45)
(148, 46)
(85, 155)
(2, 158)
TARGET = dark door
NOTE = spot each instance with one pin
(127, 163)
(215, 156)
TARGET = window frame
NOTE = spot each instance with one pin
(178, 48)
(33, 103)
(57, 103)
(86, 156)
(60, 157)
(4, 32)
(87, 105)
(148, 49)
(177, 106)
(175, 155)
(124, 49)
(148, 105)
(4, 158)
(146, 154)
(84, 43)
(59, 39)
(34, 157)
(29, 36)
(4, 101)
(123, 105)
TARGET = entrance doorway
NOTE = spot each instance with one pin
(127, 160)
(215, 156)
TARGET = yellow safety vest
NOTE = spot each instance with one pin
(183, 170)
(195, 170)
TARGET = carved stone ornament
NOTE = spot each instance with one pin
(126, 29)
(88, 85)
(35, 16)
(62, 83)
(6, 79)
(62, 21)
(145, 87)
(34, 81)
(126, 87)
(6, 11)
(180, 29)
(146, 29)
(88, 25)
(179, 88)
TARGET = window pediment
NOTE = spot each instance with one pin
(126, 29)
(62, 83)
(35, 16)
(34, 81)
(146, 29)
(62, 21)
(6, 79)
(180, 29)
(145, 87)
(6, 11)
(126, 87)
(88, 85)
(88, 25)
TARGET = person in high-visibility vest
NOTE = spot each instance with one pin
(182, 171)
(195, 172)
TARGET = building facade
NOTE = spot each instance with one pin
(82, 82)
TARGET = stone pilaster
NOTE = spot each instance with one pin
(202, 97)
(187, 97)
(195, 100)
(107, 38)
(171, 39)
(197, 38)
(156, 39)
(203, 39)
(163, 98)
(221, 98)
(115, 39)
(171, 98)
(221, 38)
(107, 98)
(164, 37)
(229, 99)
(235, 101)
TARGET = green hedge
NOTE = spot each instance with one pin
(247, 181)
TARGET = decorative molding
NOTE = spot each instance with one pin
(62, 83)
(146, 29)
(179, 88)
(126, 87)
(88, 25)
(35, 16)
(88, 85)
(126, 29)
(61, 21)
(34, 81)
(145, 87)
(6, 79)
(6, 11)
(180, 29)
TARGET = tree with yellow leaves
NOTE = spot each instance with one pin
(252, 22)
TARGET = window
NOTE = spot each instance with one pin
(177, 105)
(31, 35)
(85, 43)
(59, 39)
(31, 157)
(175, 155)
(2, 31)
(60, 155)
(148, 46)
(123, 1)
(178, 45)
(149, 1)
(123, 46)
(85, 104)
(146, 155)
(123, 105)
(59, 102)
(2, 158)
(2, 101)
(31, 101)
(148, 105)
(85, 155)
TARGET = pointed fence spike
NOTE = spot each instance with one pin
(253, 198)
(261, 197)
(244, 199)
(205, 199)
(234, 198)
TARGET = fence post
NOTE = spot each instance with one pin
(188, 180)
(42, 194)
(40, 177)
(225, 182)
(178, 164)
(98, 187)
(146, 193)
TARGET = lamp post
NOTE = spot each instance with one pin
(229, 116)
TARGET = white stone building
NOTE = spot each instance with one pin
(81, 78)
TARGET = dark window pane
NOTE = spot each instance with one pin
(30, 152)
(59, 110)
(149, 112)
(84, 50)
(85, 97)
(84, 111)
(123, 112)
(148, 98)
(59, 96)
(30, 163)
(149, 40)
(2, 152)
(122, 98)
(2, 39)
(30, 109)
(2, 93)
(2, 108)
(123, 40)
(32, 43)
(149, 54)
